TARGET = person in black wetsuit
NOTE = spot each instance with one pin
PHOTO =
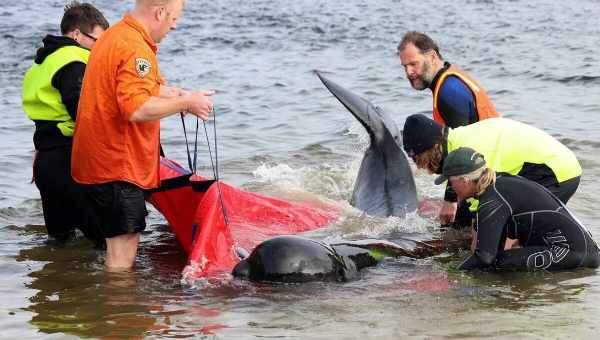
(549, 236)
(51, 89)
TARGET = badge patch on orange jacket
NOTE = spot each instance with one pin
(142, 67)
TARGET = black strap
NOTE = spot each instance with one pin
(187, 147)
(215, 164)
(204, 185)
(173, 183)
(212, 163)
(196, 147)
(181, 182)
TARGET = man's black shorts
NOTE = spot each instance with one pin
(119, 208)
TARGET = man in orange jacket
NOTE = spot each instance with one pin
(458, 99)
(116, 141)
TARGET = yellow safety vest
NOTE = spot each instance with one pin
(507, 144)
(41, 100)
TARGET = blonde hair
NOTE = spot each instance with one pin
(430, 159)
(484, 177)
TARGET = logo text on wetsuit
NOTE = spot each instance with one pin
(558, 250)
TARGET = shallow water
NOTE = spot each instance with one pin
(281, 133)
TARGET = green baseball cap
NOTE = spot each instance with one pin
(460, 162)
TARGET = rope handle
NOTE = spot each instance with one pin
(214, 163)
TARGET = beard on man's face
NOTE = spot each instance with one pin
(424, 80)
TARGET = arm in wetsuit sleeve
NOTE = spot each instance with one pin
(68, 82)
(456, 103)
(492, 215)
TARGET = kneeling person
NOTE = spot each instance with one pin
(507, 145)
(551, 238)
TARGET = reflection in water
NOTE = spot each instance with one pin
(76, 296)
(522, 291)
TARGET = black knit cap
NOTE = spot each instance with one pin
(420, 134)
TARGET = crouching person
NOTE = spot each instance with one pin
(549, 236)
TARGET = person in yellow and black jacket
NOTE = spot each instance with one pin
(507, 145)
(51, 89)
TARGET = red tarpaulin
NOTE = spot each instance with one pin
(194, 210)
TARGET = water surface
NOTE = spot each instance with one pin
(281, 133)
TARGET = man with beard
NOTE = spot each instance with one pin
(458, 99)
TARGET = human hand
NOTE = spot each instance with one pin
(448, 212)
(198, 103)
(171, 92)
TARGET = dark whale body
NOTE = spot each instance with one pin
(296, 259)
(384, 185)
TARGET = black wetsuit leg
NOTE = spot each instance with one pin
(565, 190)
(542, 174)
(566, 249)
(64, 201)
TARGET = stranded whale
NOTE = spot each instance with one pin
(384, 185)
(295, 259)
